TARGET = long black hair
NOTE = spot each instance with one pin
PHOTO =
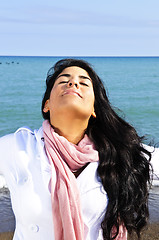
(124, 165)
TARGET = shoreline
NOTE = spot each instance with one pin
(151, 232)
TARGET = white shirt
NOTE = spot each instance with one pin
(27, 172)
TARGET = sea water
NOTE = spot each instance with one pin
(132, 85)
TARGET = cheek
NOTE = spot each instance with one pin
(53, 95)
(90, 100)
(91, 97)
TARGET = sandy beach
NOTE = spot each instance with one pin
(150, 233)
(6, 236)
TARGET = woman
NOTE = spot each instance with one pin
(85, 173)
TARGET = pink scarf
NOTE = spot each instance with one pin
(122, 235)
(66, 207)
(67, 157)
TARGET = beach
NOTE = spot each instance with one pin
(151, 232)
(6, 236)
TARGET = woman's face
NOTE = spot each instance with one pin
(72, 93)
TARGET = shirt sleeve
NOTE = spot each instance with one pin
(154, 162)
(6, 152)
(155, 165)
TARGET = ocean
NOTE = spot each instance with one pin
(132, 85)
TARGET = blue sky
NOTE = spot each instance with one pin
(79, 28)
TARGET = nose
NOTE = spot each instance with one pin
(73, 83)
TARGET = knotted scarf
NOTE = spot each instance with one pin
(67, 157)
(66, 207)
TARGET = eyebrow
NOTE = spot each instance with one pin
(85, 77)
(69, 75)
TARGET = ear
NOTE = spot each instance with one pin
(94, 114)
(46, 107)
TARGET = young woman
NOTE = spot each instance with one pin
(85, 173)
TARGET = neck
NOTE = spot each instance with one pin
(73, 130)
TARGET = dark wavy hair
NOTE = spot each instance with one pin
(124, 165)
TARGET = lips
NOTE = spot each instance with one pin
(72, 92)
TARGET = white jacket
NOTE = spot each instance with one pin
(27, 172)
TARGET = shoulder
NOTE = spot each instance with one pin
(17, 148)
(21, 137)
(6, 143)
(154, 151)
(23, 132)
(27, 139)
(7, 138)
(9, 142)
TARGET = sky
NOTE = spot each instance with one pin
(79, 28)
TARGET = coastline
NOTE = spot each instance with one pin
(151, 232)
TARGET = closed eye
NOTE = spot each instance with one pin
(85, 84)
(63, 82)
